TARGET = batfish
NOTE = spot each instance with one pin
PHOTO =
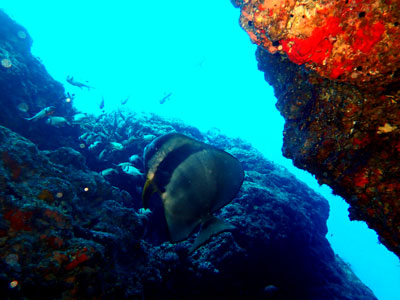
(194, 180)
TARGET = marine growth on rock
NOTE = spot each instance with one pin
(334, 66)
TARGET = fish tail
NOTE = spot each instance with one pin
(210, 227)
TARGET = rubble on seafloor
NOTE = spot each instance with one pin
(334, 66)
(69, 229)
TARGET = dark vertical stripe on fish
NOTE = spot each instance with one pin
(154, 146)
(172, 161)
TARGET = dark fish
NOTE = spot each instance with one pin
(165, 98)
(123, 101)
(193, 180)
(101, 106)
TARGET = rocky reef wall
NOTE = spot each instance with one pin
(71, 226)
(66, 232)
(334, 66)
(23, 98)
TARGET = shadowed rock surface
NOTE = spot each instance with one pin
(334, 66)
(67, 232)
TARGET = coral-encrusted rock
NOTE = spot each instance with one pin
(352, 41)
(337, 81)
(62, 225)
(65, 232)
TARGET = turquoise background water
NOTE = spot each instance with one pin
(196, 51)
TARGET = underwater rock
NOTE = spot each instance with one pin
(273, 215)
(334, 67)
(66, 232)
(26, 88)
(61, 219)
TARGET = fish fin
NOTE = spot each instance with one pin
(210, 227)
(180, 228)
(148, 190)
(230, 177)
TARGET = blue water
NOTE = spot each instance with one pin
(146, 50)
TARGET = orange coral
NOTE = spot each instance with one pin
(78, 258)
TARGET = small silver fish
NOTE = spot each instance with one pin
(102, 154)
(84, 136)
(23, 106)
(57, 121)
(41, 114)
(144, 211)
(116, 146)
(131, 170)
(94, 145)
(148, 137)
(124, 164)
(108, 172)
(79, 117)
(134, 158)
